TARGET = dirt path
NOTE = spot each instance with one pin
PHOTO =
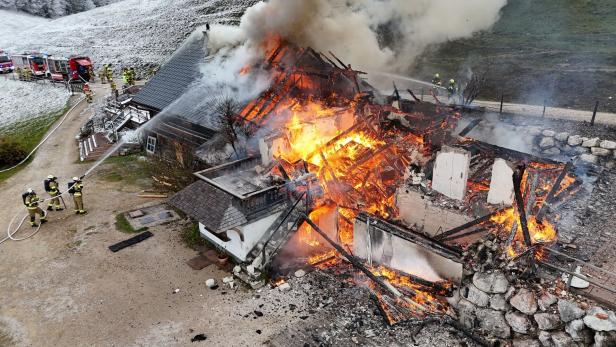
(63, 287)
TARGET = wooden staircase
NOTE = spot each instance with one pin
(93, 147)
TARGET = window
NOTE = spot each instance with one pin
(151, 145)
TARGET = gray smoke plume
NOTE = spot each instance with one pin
(350, 27)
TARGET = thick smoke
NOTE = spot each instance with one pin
(350, 28)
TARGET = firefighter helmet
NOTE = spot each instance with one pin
(51, 177)
(30, 191)
(76, 179)
(437, 75)
(452, 81)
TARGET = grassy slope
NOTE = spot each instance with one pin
(29, 133)
(562, 51)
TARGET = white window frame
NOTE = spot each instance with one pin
(150, 146)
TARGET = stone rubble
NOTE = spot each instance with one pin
(563, 144)
(500, 305)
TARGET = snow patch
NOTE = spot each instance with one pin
(23, 101)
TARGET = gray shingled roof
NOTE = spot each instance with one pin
(174, 77)
(208, 205)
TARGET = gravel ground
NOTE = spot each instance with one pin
(27, 100)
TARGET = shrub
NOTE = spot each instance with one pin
(11, 152)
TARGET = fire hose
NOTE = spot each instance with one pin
(9, 231)
(45, 138)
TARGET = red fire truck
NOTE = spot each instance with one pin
(69, 69)
(6, 64)
(35, 61)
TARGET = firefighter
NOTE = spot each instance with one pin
(75, 188)
(125, 76)
(132, 74)
(91, 74)
(452, 88)
(87, 92)
(31, 201)
(436, 80)
(102, 74)
(52, 188)
(27, 74)
(108, 72)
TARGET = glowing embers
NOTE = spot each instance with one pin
(408, 296)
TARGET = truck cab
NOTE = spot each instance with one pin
(6, 64)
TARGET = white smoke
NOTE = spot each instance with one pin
(349, 28)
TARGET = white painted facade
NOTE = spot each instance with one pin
(418, 212)
(242, 239)
(450, 172)
(501, 183)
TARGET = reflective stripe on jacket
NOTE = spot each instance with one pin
(78, 187)
(32, 201)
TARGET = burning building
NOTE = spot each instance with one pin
(333, 167)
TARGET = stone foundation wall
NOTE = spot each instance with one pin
(593, 150)
(513, 312)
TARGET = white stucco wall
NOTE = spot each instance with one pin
(418, 212)
(501, 183)
(380, 247)
(253, 233)
(451, 172)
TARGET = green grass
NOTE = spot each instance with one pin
(124, 226)
(191, 236)
(560, 51)
(126, 169)
(29, 133)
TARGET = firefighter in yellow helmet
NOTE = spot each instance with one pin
(452, 88)
(108, 71)
(132, 74)
(75, 188)
(436, 80)
(125, 76)
(52, 188)
(31, 201)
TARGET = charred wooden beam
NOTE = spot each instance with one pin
(414, 96)
(552, 193)
(468, 233)
(580, 276)
(474, 123)
(346, 67)
(412, 236)
(519, 199)
(396, 92)
(283, 172)
(354, 261)
(330, 61)
(447, 234)
(275, 54)
(558, 199)
(333, 140)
